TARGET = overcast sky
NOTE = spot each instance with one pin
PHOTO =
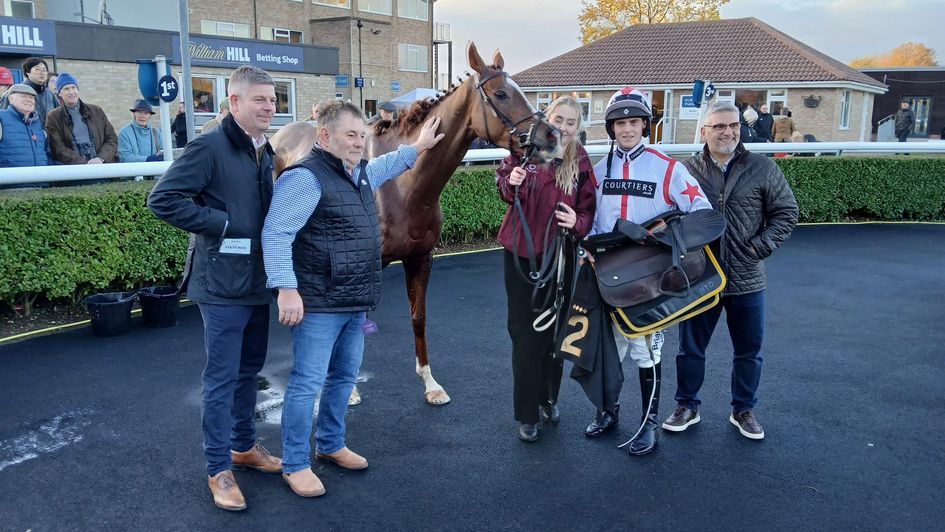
(529, 32)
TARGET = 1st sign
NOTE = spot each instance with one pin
(167, 88)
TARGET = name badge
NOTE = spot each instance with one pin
(629, 187)
(236, 246)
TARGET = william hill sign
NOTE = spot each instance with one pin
(27, 36)
(209, 51)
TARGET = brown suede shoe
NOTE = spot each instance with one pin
(304, 483)
(226, 493)
(345, 458)
(257, 458)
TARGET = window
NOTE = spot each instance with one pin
(921, 106)
(725, 96)
(375, 6)
(412, 57)
(776, 100)
(224, 29)
(543, 100)
(205, 94)
(336, 3)
(20, 8)
(285, 96)
(583, 99)
(846, 100)
(280, 35)
(415, 9)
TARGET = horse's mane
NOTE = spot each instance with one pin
(413, 117)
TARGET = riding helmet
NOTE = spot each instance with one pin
(628, 103)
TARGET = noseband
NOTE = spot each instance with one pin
(525, 138)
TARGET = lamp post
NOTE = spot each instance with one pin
(360, 66)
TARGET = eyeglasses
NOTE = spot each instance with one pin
(721, 127)
(39, 70)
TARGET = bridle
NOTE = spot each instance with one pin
(524, 138)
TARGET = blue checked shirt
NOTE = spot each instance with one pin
(295, 197)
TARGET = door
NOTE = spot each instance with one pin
(922, 107)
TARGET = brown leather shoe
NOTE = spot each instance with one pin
(257, 458)
(345, 458)
(226, 493)
(304, 483)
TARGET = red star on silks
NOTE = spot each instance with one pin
(692, 191)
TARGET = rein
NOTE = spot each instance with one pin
(552, 262)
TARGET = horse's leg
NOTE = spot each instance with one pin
(418, 276)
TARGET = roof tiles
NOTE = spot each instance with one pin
(743, 50)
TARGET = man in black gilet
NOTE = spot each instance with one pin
(322, 249)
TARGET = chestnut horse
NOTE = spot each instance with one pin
(487, 105)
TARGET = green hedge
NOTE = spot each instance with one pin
(64, 243)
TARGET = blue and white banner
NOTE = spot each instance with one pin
(221, 52)
(27, 36)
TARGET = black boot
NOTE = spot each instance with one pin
(603, 422)
(648, 438)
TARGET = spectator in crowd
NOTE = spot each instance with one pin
(179, 126)
(761, 212)
(6, 80)
(138, 141)
(203, 103)
(22, 138)
(51, 82)
(316, 110)
(905, 122)
(36, 72)
(209, 125)
(221, 195)
(764, 125)
(387, 111)
(783, 126)
(749, 118)
(79, 132)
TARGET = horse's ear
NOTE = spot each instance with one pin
(475, 60)
(497, 60)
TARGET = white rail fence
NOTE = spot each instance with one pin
(50, 174)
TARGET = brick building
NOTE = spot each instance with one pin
(748, 62)
(314, 49)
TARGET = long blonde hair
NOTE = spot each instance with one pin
(566, 175)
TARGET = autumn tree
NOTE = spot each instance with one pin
(600, 18)
(910, 54)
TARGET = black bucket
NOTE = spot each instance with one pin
(159, 305)
(110, 312)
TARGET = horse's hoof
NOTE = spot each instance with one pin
(437, 397)
(355, 398)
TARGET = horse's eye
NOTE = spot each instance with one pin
(500, 95)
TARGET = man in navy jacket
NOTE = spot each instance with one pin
(219, 190)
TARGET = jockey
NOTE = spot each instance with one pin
(637, 182)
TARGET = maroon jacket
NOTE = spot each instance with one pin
(539, 194)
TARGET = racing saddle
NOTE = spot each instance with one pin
(659, 272)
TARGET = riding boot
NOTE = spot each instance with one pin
(604, 421)
(648, 438)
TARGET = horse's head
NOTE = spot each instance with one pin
(506, 118)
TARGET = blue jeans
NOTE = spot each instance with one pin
(745, 315)
(236, 338)
(327, 351)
